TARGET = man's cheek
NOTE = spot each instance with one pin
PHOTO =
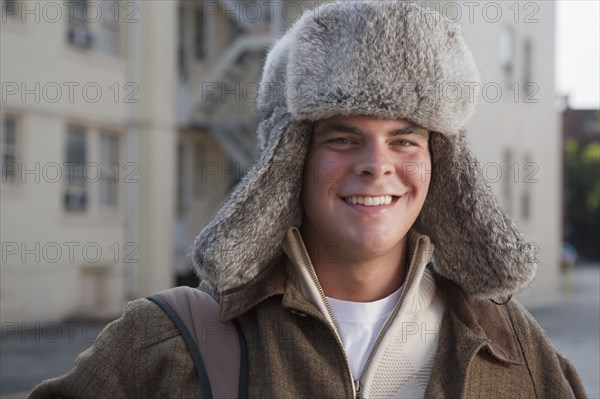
(322, 172)
(330, 172)
(415, 171)
(420, 171)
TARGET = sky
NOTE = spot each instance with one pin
(578, 52)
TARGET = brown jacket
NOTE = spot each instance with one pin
(484, 351)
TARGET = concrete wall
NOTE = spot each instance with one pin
(526, 125)
(36, 282)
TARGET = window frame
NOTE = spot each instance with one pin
(6, 147)
(76, 185)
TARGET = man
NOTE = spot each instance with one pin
(363, 256)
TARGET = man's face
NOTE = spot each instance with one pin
(365, 182)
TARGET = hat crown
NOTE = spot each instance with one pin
(389, 59)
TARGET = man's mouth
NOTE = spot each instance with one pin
(370, 201)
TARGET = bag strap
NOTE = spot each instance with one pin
(217, 348)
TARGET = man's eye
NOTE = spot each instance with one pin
(340, 140)
(405, 143)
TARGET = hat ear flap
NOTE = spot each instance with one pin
(246, 233)
(477, 245)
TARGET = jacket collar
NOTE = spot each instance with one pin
(271, 281)
(281, 277)
(483, 322)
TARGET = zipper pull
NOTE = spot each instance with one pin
(357, 389)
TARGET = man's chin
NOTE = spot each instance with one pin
(370, 245)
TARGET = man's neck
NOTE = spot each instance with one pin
(358, 280)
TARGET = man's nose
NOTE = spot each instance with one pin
(374, 160)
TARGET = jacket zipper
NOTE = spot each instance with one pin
(390, 320)
(313, 275)
(386, 327)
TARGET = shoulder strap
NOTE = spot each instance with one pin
(217, 348)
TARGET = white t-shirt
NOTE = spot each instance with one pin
(360, 324)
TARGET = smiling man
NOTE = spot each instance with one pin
(363, 255)
(373, 179)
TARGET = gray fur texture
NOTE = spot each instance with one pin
(384, 59)
(381, 58)
(477, 245)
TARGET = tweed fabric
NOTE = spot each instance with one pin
(383, 59)
(293, 353)
(140, 355)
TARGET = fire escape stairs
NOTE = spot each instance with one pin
(233, 123)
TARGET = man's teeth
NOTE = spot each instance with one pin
(370, 201)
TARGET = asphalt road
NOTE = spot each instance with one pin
(573, 325)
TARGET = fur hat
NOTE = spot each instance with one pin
(389, 59)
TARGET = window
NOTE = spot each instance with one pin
(181, 56)
(507, 54)
(76, 191)
(104, 16)
(9, 146)
(78, 33)
(109, 163)
(526, 194)
(590, 126)
(108, 37)
(526, 204)
(528, 84)
(10, 8)
(191, 37)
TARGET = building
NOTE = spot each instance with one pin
(85, 132)
(125, 124)
(581, 181)
(516, 130)
(117, 146)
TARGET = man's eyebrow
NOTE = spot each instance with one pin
(339, 127)
(413, 129)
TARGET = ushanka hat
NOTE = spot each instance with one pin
(388, 59)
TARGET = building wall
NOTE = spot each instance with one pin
(525, 125)
(157, 146)
(33, 212)
(47, 276)
(36, 283)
